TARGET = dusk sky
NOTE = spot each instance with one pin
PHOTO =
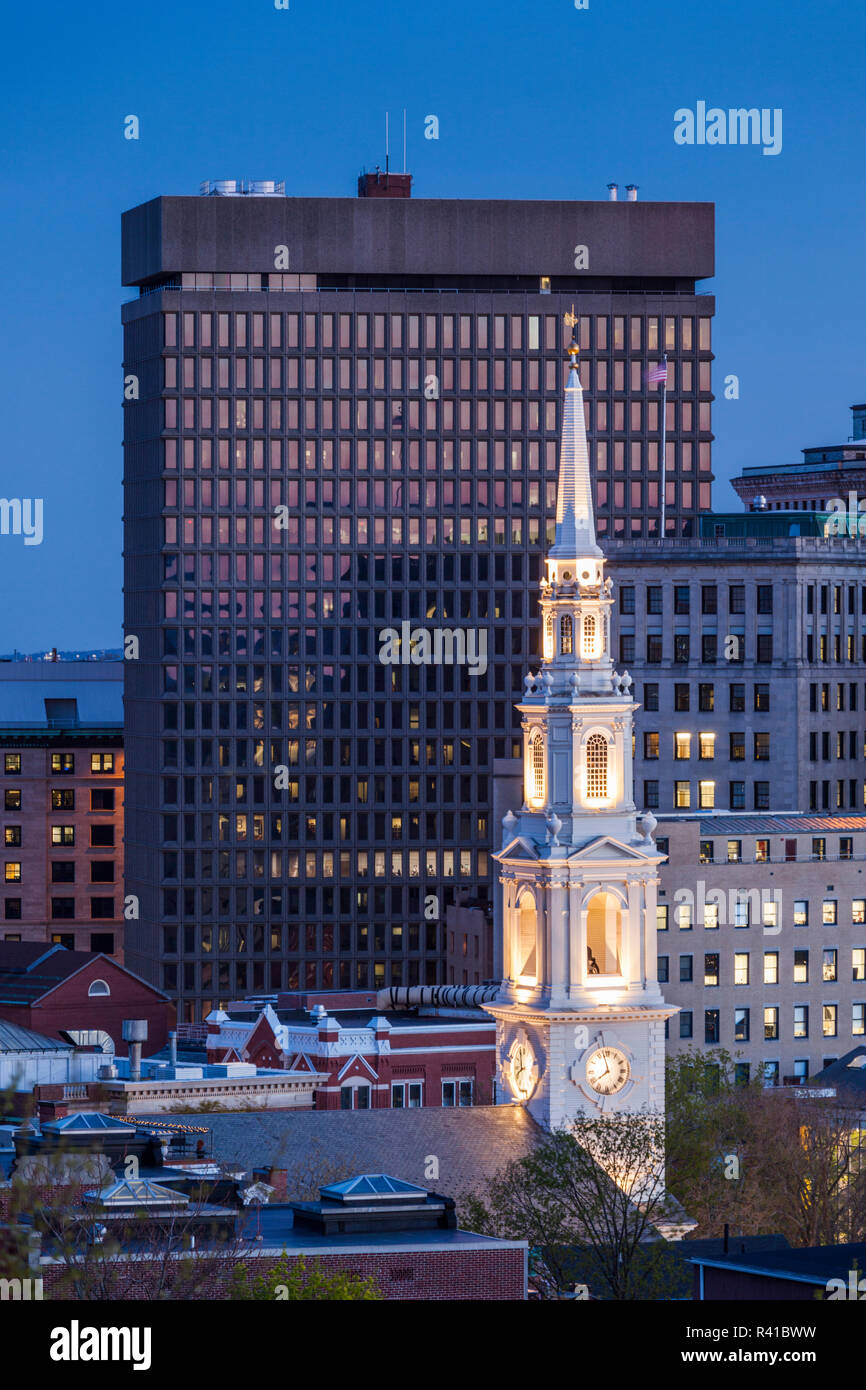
(534, 100)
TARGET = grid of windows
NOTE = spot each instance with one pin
(411, 458)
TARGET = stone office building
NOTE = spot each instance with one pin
(762, 938)
(342, 415)
(61, 744)
(749, 659)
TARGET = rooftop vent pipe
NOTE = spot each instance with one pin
(135, 1033)
(439, 996)
(613, 191)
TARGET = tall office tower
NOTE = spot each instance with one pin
(341, 418)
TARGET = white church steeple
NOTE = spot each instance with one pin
(580, 1013)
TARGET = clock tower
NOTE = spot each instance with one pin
(580, 1016)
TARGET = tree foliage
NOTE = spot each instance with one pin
(590, 1198)
(759, 1160)
(292, 1281)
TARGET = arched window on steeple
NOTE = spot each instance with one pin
(525, 965)
(535, 779)
(603, 936)
(589, 646)
(565, 643)
(596, 768)
(548, 637)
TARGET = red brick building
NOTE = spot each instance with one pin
(54, 991)
(374, 1057)
(61, 745)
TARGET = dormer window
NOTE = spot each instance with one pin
(565, 638)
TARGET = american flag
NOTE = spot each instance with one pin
(659, 373)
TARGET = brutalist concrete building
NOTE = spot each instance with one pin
(341, 421)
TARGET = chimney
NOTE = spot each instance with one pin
(613, 191)
(631, 192)
(172, 1048)
(135, 1033)
(385, 185)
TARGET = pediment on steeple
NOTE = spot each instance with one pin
(518, 848)
(607, 847)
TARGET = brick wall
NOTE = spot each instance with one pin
(492, 1275)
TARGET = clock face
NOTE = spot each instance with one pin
(607, 1070)
(522, 1069)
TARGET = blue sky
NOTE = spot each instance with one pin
(534, 99)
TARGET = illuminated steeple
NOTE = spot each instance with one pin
(575, 527)
(581, 1017)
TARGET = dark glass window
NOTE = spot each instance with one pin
(709, 598)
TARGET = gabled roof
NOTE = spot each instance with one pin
(518, 848)
(30, 970)
(361, 1061)
(608, 847)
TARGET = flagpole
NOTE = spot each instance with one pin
(663, 460)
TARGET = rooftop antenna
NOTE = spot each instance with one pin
(387, 146)
(404, 139)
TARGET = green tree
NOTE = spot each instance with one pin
(759, 1160)
(291, 1281)
(590, 1198)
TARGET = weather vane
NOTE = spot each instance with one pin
(570, 319)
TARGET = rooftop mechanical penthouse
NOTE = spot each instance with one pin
(385, 373)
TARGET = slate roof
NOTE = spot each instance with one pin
(849, 1081)
(470, 1143)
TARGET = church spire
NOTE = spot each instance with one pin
(575, 528)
